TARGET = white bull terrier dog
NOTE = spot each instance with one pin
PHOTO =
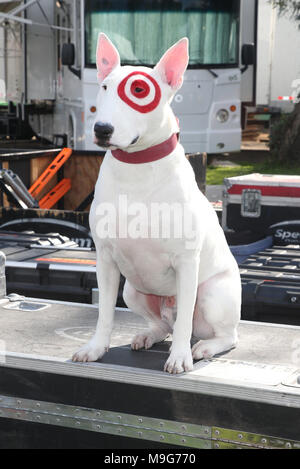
(184, 281)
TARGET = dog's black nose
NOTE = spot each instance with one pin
(103, 131)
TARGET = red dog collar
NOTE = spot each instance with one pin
(150, 154)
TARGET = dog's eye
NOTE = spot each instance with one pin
(104, 87)
(140, 89)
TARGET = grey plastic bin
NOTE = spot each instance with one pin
(242, 251)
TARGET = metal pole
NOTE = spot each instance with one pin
(25, 61)
(17, 10)
(11, 15)
(7, 16)
(30, 22)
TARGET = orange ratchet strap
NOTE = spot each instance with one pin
(56, 193)
(52, 169)
(66, 260)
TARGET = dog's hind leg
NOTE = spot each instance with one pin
(216, 315)
(148, 306)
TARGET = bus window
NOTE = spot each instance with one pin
(142, 30)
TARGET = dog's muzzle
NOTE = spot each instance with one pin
(103, 133)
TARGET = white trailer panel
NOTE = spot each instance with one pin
(278, 58)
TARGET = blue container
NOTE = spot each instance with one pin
(242, 251)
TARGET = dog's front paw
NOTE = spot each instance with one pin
(89, 352)
(142, 341)
(180, 361)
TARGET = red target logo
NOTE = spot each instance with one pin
(140, 91)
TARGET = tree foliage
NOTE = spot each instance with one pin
(290, 7)
(285, 134)
(285, 138)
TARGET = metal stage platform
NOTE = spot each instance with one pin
(246, 398)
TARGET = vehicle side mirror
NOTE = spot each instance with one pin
(68, 54)
(68, 58)
(248, 55)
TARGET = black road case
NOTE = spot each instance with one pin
(50, 266)
(271, 285)
(246, 398)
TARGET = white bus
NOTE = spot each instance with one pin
(59, 89)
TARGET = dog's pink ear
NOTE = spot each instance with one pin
(173, 63)
(107, 56)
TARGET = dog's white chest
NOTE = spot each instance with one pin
(147, 228)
